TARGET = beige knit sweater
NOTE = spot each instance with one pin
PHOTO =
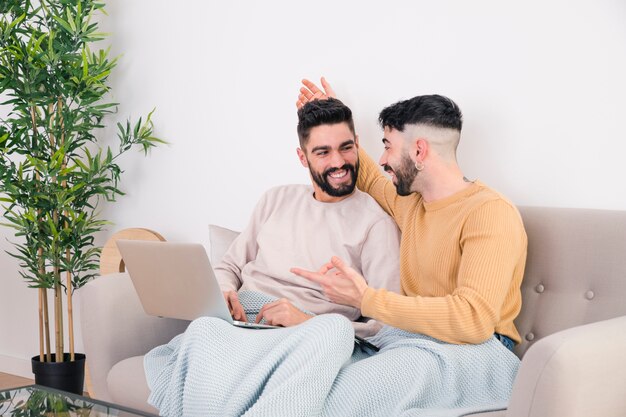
(290, 228)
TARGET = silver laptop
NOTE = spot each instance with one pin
(176, 280)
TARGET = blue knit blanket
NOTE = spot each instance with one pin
(314, 369)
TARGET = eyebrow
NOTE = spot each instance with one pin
(325, 148)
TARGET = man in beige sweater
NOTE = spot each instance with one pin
(306, 225)
(463, 247)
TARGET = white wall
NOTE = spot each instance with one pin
(541, 85)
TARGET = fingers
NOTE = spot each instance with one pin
(327, 88)
(281, 313)
(338, 263)
(240, 313)
(262, 313)
(266, 313)
(325, 268)
(229, 303)
(312, 92)
(306, 95)
(312, 88)
(311, 276)
(302, 100)
(235, 307)
(346, 271)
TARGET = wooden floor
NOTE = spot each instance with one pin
(12, 381)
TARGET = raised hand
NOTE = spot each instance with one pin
(312, 92)
(234, 305)
(340, 283)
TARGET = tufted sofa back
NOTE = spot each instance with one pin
(575, 271)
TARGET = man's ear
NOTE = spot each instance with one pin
(356, 141)
(302, 158)
(421, 150)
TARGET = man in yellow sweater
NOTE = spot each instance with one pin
(463, 247)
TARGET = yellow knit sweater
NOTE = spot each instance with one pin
(461, 262)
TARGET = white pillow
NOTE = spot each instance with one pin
(220, 239)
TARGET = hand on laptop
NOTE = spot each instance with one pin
(235, 307)
(281, 313)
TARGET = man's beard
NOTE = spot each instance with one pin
(322, 180)
(405, 175)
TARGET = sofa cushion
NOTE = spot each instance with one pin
(220, 239)
(127, 385)
(115, 327)
(574, 373)
(575, 270)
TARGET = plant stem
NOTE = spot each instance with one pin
(33, 118)
(43, 298)
(68, 277)
(41, 352)
(58, 293)
(70, 309)
(39, 256)
(43, 316)
(58, 301)
(46, 322)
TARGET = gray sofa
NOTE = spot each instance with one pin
(573, 321)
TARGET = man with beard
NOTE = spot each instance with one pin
(304, 225)
(463, 247)
(455, 264)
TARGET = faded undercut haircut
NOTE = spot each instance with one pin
(322, 112)
(430, 110)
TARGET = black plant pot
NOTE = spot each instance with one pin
(66, 375)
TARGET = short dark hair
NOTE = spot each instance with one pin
(431, 110)
(322, 112)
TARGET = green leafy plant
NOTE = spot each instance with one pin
(34, 402)
(53, 174)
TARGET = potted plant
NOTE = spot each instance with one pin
(53, 174)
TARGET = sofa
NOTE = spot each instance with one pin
(572, 322)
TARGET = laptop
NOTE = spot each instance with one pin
(176, 280)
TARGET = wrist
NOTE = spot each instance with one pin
(304, 317)
(365, 298)
(361, 296)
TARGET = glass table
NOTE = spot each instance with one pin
(37, 400)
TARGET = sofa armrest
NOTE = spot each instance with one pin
(578, 372)
(115, 327)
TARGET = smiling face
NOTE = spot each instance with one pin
(396, 161)
(332, 158)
